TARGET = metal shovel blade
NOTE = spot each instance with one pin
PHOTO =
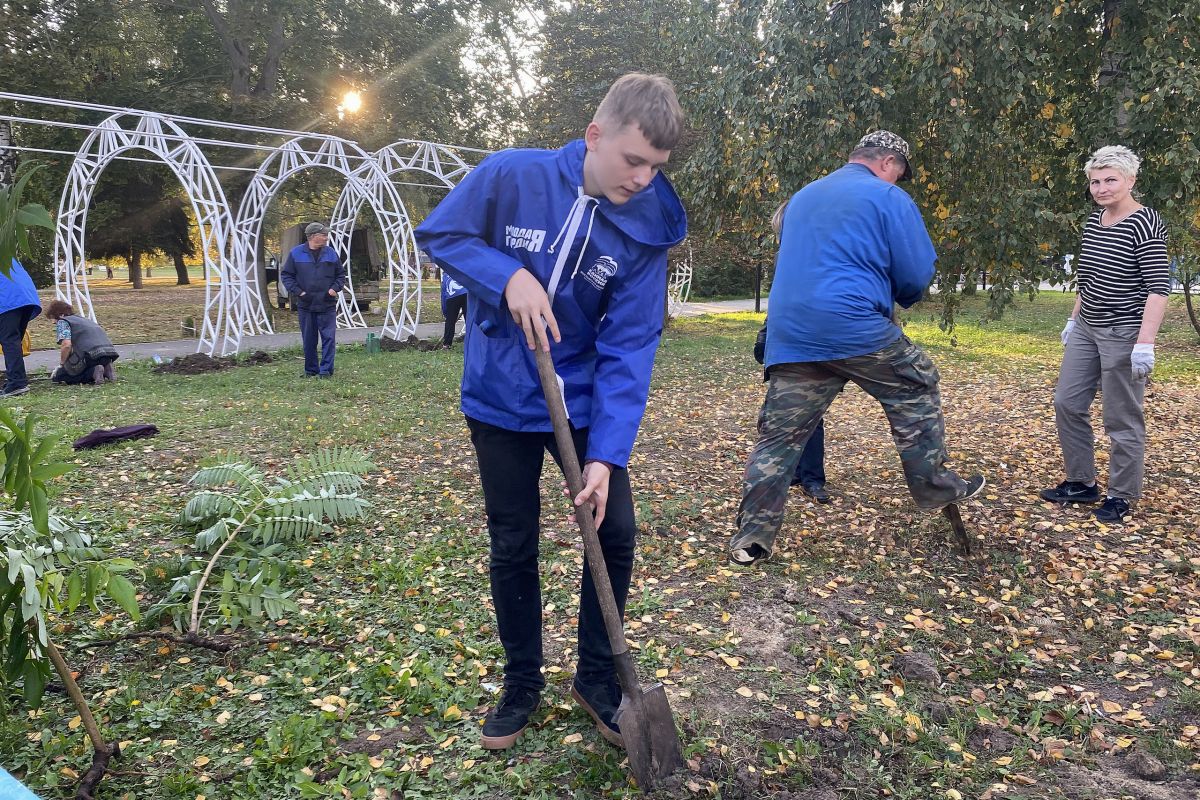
(954, 516)
(648, 731)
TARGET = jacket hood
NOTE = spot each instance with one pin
(653, 217)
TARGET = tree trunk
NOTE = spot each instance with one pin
(268, 76)
(1112, 71)
(181, 272)
(1187, 301)
(235, 49)
(135, 268)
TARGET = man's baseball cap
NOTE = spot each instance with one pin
(892, 142)
(320, 227)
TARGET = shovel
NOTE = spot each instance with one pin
(647, 727)
(951, 513)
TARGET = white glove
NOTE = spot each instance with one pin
(1142, 359)
(1066, 332)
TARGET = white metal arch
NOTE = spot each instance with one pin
(168, 143)
(407, 155)
(365, 182)
(679, 284)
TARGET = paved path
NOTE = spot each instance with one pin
(43, 360)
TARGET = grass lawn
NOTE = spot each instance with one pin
(156, 312)
(1060, 648)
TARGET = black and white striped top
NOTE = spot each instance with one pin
(1120, 266)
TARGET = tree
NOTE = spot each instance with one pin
(1002, 102)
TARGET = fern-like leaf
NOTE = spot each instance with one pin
(205, 507)
(231, 472)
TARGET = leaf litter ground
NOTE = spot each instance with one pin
(866, 659)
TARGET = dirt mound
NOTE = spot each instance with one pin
(258, 357)
(411, 343)
(195, 364)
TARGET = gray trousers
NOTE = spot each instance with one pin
(1098, 358)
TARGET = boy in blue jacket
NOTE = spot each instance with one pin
(313, 274)
(569, 245)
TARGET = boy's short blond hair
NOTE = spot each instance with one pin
(648, 101)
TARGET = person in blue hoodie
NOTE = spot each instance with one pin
(19, 304)
(568, 245)
(313, 274)
(853, 244)
(454, 305)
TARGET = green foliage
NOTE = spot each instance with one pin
(1002, 102)
(246, 521)
(16, 218)
(47, 563)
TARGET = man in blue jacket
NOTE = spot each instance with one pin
(19, 303)
(454, 303)
(853, 244)
(568, 244)
(313, 274)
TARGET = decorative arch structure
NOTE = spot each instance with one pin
(365, 182)
(447, 168)
(224, 285)
(679, 282)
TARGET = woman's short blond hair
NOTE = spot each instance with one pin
(1114, 156)
(777, 217)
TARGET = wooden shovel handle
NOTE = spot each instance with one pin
(583, 515)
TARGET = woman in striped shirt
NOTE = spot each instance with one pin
(1123, 284)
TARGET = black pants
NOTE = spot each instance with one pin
(811, 469)
(510, 467)
(12, 330)
(455, 306)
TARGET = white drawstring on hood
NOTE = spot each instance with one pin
(566, 235)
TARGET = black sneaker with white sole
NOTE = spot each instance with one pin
(506, 722)
(1072, 492)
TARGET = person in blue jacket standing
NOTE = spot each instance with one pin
(454, 305)
(853, 244)
(569, 245)
(314, 274)
(19, 303)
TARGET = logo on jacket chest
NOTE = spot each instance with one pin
(530, 239)
(600, 271)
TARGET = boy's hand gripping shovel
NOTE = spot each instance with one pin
(647, 727)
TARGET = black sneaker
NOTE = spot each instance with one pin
(748, 556)
(816, 491)
(509, 719)
(974, 485)
(1073, 492)
(17, 392)
(1113, 510)
(601, 702)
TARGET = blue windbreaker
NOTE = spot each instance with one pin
(17, 291)
(450, 288)
(604, 267)
(851, 245)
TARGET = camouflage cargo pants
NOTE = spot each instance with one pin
(904, 381)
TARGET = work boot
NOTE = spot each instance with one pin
(506, 722)
(601, 702)
(816, 491)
